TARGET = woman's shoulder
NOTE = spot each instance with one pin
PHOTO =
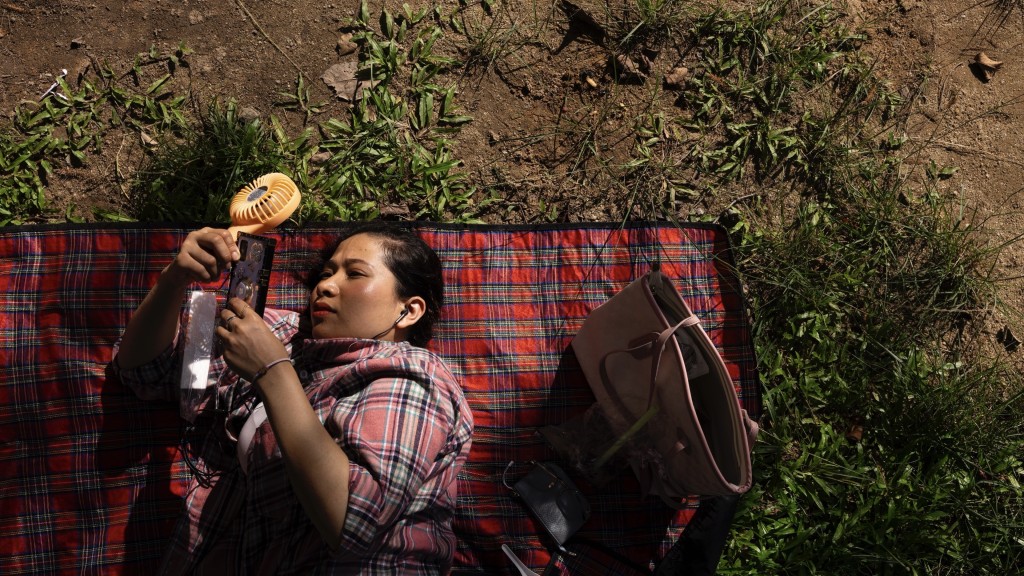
(360, 359)
(417, 359)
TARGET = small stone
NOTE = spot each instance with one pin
(493, 137)
(248, 114)
(195, 17)
(320, 158)
(676, 78)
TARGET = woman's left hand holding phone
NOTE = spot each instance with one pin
(249, 345)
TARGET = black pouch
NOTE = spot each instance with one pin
(553, 499)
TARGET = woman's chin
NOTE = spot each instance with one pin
(317, 329)
(324, 331)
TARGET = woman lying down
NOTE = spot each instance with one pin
(333, 439)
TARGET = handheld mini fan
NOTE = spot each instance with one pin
(263, 204)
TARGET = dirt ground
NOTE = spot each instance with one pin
(252, 51)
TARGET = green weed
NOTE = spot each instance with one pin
(192, 179)
(70, 124)
(393, 149)
(890, 445)
(647, 23)
(299, 101)
(779, 89)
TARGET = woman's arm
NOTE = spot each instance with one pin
(401, 427)
(317, 468)
(203, 256)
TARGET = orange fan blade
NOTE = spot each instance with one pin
(263, 204)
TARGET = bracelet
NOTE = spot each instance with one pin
(263, 371)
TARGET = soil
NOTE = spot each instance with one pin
(528, 93)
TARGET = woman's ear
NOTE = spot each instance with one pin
(415, 308)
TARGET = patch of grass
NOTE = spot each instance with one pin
(890, 446)
(648, 23)
(391, 152)
(779, 89)
(193, 178)
(891, 443)
(394, 150)
(487, 37)
(71, 124)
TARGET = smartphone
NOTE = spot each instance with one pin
(250, 276)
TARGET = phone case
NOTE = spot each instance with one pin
(250, 276)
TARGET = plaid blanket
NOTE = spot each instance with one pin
(90, 477)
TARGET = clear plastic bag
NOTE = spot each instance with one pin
(195, 367)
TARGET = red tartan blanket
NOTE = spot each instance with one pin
(90, 479)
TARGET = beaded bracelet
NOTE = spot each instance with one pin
(263, 371)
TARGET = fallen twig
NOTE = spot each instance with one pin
(267, 36)
(735, 202)
(14, 8)
(967, 150)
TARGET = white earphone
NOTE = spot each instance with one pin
(405, 312)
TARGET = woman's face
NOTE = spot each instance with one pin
(356, 294)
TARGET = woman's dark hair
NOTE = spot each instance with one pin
(416, 267)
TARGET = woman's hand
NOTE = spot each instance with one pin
(203, 256)
(248, 343)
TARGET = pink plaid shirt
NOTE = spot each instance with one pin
(397, 412)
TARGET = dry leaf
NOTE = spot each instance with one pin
(627, 69)
(583, 22)
(676, 78)
(342, 78)
(985, 67)
(1005, 337)
(147, 140)
(987, 62)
